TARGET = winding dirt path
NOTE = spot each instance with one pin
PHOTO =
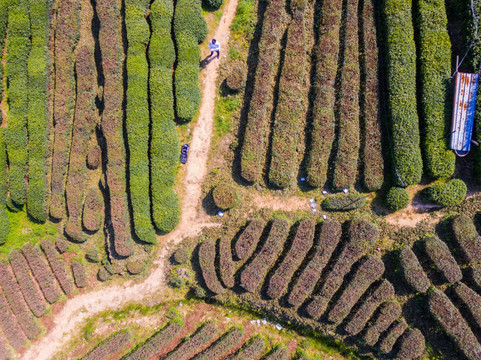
(192, 222)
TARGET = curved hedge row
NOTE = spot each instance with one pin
(388, 313)
(18, 48)
(453, 324)
(164, 144)
(371, 154)
(411, 344)
(348, 143)
(227, 265)
(387, 343)
(66, 38)
(250, 351)
(290, 103)
(434, 72)
(222, 346)
(192, 345)
(92, 210)
(300, 246)
(368, 272)
(326, 53)
(361, 237)
(4, 221)
(343, 202)
(247, 241)
(412, 270)
(257, 122)
(438, 252)
(207, 266)
(31, 293)
(155, 343)
(37, 110)
(467, 238)
(382, 293)
(254, 273)
(42, 273)
(449, 193)
(470, 300)
(14, 297)
(109, 346)
(137, 118)
(83, 129)
(9, 325)
(190, 29)
(329, 237)
(110, 40)
(58, 266)
(401, 88)
(79, 274)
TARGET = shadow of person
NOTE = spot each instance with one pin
(206, 61)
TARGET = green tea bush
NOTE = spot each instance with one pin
(93, 255)
(188, 20)
(135, 267)
(413, 271)
(435, 70)
(4, 222)
(213, 4)
(207, 256)
(397, 198)
(236, 80)
(247, 242)
(439, 254)
(181, 256)
(469, 300)
(449, 193)
(324, 81)
(467, 238)
(109, 346)
(344, 202)
(387, 343)
(57, 264)
(164, 146)
(227, 266)
(18, 49)
(37, 109)
(401, 89)
(225, 196)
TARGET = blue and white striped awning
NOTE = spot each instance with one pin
(463, 112)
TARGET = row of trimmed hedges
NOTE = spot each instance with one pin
(155, 343)
(475, 275)
(83, 130)
(247, 241)
(470, 300)
(300, 246)
(58, 266)
(14, 297)
(190, 29)
(325, 77)
(361, 237)
(467, 238)
(222, 346)
(227, 265)
(9, 325)
(137, 118)
(387, 343)
(67, 35)
(344, 202)
(413, 271)
(401, 89)
(438, 252)
(254, 273)
(37, 111)
(434, 71)
(110, 40)
(31, 293)
(382, 293)
(109, 346)
(207, 266)
(411, 344)
(164, 145)
(4, 221)
(278, 353)
(348, 144)
(371, 155)
(290, 102)
(368, 272)
(42, 273)
(79, 274)
(250, 351)
(93, 209)
(329, 237)
(388, 313)
(257, 122)
(453, 324)
(18, 48)
(191, 345)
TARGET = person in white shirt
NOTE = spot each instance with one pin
(214, 46)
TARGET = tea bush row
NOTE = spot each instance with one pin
(326, 53)
(67, 35)
(248, 240)
(9, 325)
(207, 266)
(58, 266)
(109, 346)
(164, 145)
(227, 265)
(250, 351)
(387, 343)
(278, 353)
(467, 238)
(412, 270)
(411, 344)
(4, 221)
(222, 346)
(93, 210)
(192, 345)
(388, 313)
(344, 202)
(438, 252)
(257, 123)
(470, 300)
(79, 274)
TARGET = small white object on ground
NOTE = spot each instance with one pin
(324, 217)
(264, 321)
(220, 213)
(378, 249)
(345, 191)
(278, 327)
(180, 304)
(324, 192)
(253, 321)
(303, 179)
(311, 200)
(314, 211)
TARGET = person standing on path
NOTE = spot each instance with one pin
(214, 46)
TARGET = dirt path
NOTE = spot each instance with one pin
(192, 222)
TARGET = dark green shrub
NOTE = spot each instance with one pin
(397, 198)
(277, 353)
(213, 4)
(92, 255)
(225, 196)
(435, 69)
(236, 80)
(188, 20)
(325, 75)
(449, 193)
(181, 256)
(344, 202)
(401, 89)
(199, 292)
